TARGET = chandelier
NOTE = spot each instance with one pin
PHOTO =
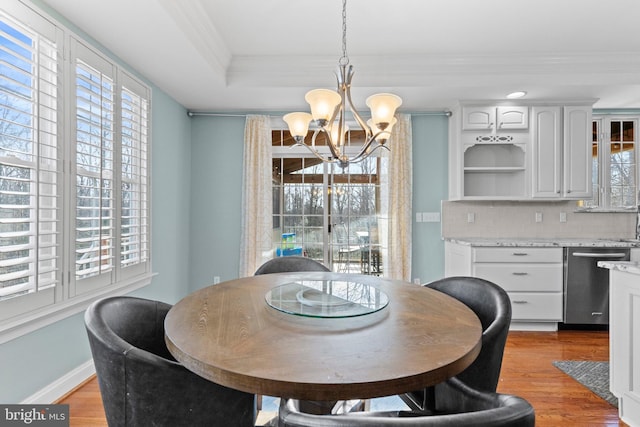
(329, 108)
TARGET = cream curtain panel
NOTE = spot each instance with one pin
(396, 190)
(257, 209)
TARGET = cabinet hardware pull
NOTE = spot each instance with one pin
(517, 273)
(596, 313)
(599, 254)
(520, 254)
(520, 302)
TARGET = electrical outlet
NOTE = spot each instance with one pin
(471, 217)
(416, 281)
(216, 280)
(538, 216)
(563, 217)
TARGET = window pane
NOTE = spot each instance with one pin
(622, 164)
(628, 131)
(134, 232)
(94, 166)
(29, 223)
(615, 131)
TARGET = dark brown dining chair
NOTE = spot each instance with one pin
(141, 384)
(492, 305)
(457, 405)
(290, 264)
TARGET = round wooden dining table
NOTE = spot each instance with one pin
(245, 335)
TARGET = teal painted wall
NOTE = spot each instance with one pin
(430, 175)
(170, 200)
(216, 184)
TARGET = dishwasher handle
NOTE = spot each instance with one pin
(599, 254)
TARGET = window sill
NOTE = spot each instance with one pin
(30, 322)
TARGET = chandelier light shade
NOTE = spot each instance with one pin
(383, 107)
(323, 103)
(298, 123)
(329, 109)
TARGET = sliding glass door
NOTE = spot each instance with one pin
(325, 212)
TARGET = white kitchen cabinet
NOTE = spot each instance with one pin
(561, 152)
(494, 170)
(533, 278)
(577, 153)
(546, 150)
(487, 152)
(492, 118)
(536, 152)
(624, 338)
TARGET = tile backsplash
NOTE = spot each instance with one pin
(532, 220)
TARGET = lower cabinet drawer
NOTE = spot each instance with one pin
(536, 306)
(514, 277)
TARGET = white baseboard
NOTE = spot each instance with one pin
(63, 385)
(533, 326)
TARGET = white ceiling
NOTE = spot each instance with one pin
(263, 55)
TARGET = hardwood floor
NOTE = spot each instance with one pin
(557, 399)
(526, 371)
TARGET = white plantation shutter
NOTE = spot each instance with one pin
(134, 225)
(94, 169)
(74, 173)
(30, 175)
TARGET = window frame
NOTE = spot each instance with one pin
(332, 178)
(26, 313)
(602, 187)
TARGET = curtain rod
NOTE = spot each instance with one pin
(205, 113)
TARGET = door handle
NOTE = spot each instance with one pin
(599, 254)
(517, 273)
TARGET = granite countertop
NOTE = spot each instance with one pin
(626, 266)
(537, 242)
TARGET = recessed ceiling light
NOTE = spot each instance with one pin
(518, 94)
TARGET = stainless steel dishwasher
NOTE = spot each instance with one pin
(586, 286)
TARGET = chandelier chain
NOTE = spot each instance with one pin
(344, 60)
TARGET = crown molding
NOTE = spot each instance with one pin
(193, 21)
(429, 70)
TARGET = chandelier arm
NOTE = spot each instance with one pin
(332, 146)
(365, 148)
(363, 154)
(314, 152)
(344, 82)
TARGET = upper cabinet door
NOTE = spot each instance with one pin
(495, 118)
(512, 118)
(577, 152)
(478, 118)
(546, 142)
